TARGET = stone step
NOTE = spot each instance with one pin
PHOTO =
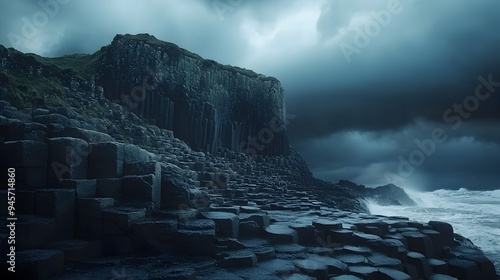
(33, 231)
(238, 259)
(39, 264)
(226, 224)
(118, 220)
(76, 250)
(280, 234)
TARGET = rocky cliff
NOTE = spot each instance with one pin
(98, 149)
(206, 104)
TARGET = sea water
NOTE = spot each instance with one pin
(473, 214)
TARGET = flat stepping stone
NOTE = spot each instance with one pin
(367, 272)
(442, 277)
(438, 266)
(219, 274)
(362, 239)
(264, 253)
(254, 242)
(384, 261)
(237, 259)
(392, 274)
(230, 243)
(312, 268)
(39, 264)
(229, 209)
(351, 259)
(334, 266)
(177, 272)
(346, 277)
(278, 266)
(296, 276)
(365, 251)
(290, 249)
(320, 251)
(226, 224)
(281, 234)
(326, 225)
(249, 209)
(198, 224)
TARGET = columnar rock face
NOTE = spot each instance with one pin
(115, 187)
(205, 104)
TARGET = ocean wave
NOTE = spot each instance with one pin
(473, 214)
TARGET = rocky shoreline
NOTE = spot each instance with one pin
(121, 209)
(102, 193)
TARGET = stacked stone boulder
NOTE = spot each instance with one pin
(91, 195)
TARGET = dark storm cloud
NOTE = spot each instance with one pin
(358, 108)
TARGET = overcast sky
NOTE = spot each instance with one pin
(368, 80)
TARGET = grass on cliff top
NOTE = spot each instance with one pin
(81, 65)
(29, 92)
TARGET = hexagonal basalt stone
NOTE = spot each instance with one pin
(312, 268)
(420, 263)
(446, 231)
(226, 224)
(235, 259)
(327, 225)
(464, 269)
(420, 243)
(281, 234)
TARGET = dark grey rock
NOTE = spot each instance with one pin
(24, 153)
(280, 234)
(236, 259)
(420, 263)
(384, 261)
(438, 266)
(52, 118)
(352, 259)
(141, 189)
(366, 272)
(67, 159)
(392, 274)
(77, 250)
(154, 237)
(58, 204)
(109, 188)
(83, 188)
(464, 269)
(226, 224)
(446, 231)
(118, 221)
(249, 229)
(420, 243)
(312, 268)
(306, 234)
(194, 242)
(39, 264)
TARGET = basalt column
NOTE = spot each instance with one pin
(205, 104)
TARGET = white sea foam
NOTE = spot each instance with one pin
(473, 214)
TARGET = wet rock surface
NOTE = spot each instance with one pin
(116, 196)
